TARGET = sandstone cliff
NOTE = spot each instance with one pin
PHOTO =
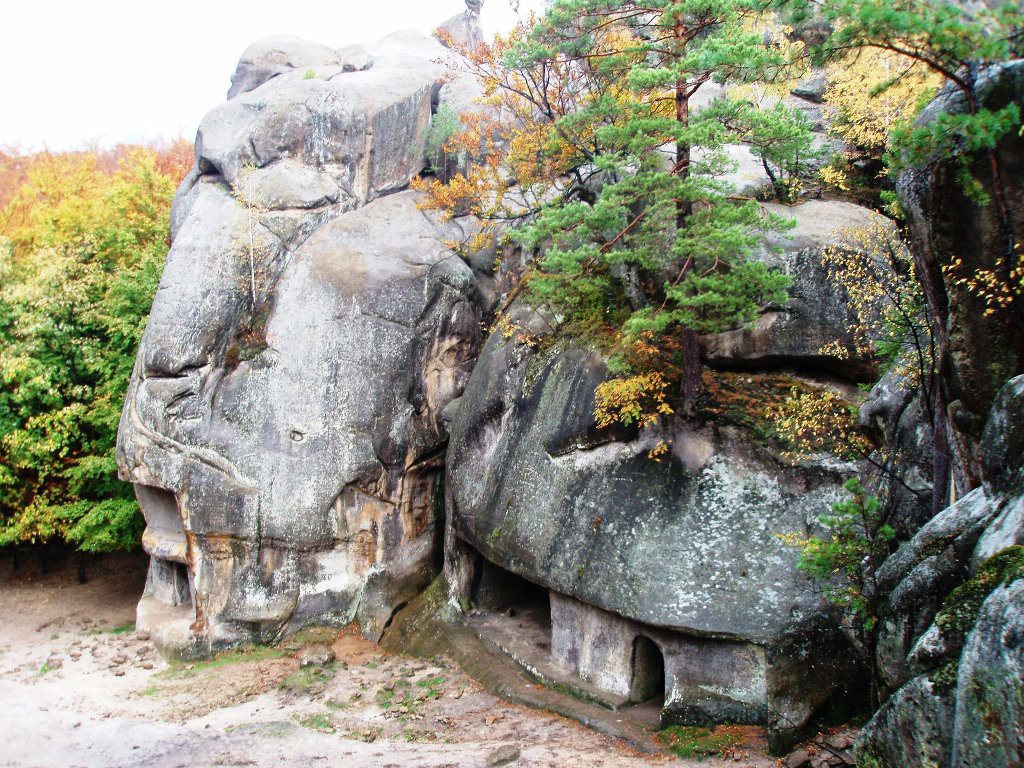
(317, 426)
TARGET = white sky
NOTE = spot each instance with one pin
(80, 71)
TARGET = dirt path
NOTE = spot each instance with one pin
(79, 688)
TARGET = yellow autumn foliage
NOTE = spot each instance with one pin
(871, 91)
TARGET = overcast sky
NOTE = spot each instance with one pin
(77, 71)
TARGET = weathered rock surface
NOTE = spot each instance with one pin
(895, 414)
(310, 349)
(990, 690)
(978, 446)
(283, 425)
(912, 728)
(977, 352)
(463, 31)
(273, 56)
(815, 329)
(684, 552)
(918, 576)
(956, 700)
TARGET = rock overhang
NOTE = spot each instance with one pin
(694, 547)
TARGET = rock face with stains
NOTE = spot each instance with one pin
(950, 646)
(950, 634)
(668, 570)
(283, 426)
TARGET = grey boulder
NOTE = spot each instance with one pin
(815, 328)
(275, 55)
(685, 552)
(990, 703)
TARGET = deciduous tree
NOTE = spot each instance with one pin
(79, 264)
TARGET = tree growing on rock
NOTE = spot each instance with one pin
(961, 47)
(845, 561)
(614, 179)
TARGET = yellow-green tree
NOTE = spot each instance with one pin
(82, 246)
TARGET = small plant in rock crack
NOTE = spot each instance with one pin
(845, 562)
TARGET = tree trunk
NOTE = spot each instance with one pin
(690, 384)
(682, 98)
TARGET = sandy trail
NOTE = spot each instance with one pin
(111, 701)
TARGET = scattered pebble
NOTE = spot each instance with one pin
(502, 756)
(316, 656)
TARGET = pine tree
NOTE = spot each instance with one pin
(641, 244)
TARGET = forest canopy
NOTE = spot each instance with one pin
(83, 237)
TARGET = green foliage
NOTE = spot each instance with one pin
(319, 721)
(846, 559)
(845, 562)
(406, 702)
(951, 135)
(647, 241)
(951, 40)
(690, 741)
(242, 655)
(781, 136)
(76, 280)
(444, 125)
(309, 680)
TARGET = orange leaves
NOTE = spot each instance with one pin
(997, 293)
(639, 400)
(639, 395)
(797, 417)
(48, 197)
(175, 160)
(527, 141)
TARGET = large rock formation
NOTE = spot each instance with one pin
(950, 645)
(675, 564)
(312, 346)
(283, 425)
(815, 329)
(977, 351)
(463, 31)
(950, 641)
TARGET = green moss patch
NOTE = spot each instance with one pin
(318, 722)
(690, 741)
(226, 658)
(960, 609)
(309, 680)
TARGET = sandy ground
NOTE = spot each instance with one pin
(80, 688)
